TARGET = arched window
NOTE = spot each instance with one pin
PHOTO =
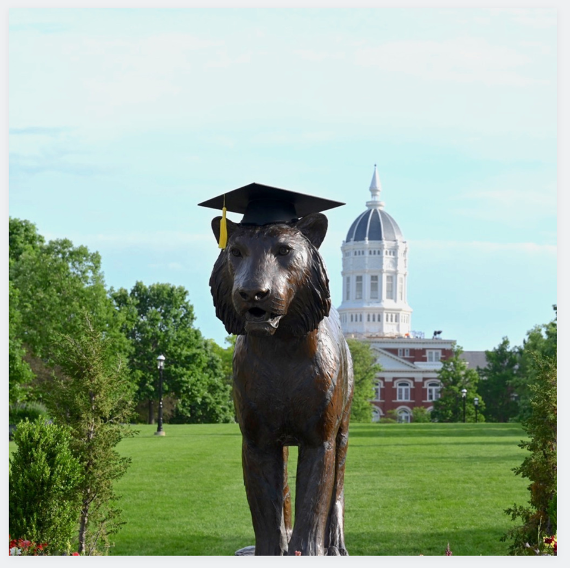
(404, 414)
(378, 389)
(376, 415)
(433, 390)
(403, 390)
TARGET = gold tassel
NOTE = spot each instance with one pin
(223, 228)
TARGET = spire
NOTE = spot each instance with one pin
(375, 189)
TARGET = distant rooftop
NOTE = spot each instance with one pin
(475, 359)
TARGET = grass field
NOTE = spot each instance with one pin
(410, 489)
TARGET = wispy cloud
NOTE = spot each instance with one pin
(465, 60)
(514, 207)
(532, 17)
(159, 240)
(470, 247)
(293, 137)
(39, 131)
(40, 27)
(26, 165)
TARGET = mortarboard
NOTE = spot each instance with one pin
(263, 204)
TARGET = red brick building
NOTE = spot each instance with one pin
(375, 310)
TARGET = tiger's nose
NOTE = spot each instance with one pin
(256, 295)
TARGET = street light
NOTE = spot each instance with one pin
(159, 430)
(476, 403)
(463, 393)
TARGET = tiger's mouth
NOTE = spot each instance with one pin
(261, 322)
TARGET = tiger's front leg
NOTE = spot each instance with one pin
(263, 469)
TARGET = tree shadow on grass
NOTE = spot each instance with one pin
(422, 444)
(187, 544)
(435, 430)
(462, 542)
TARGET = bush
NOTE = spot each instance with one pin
(420, 414)
(30, 411)
(540, 467)
(44, 477)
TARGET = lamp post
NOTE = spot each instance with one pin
(159, 430)
(476, 403)
(463, 393)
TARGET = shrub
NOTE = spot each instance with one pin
(540, 467)
(93, 396)
(27, 410)
(44, 477)
(420, 414)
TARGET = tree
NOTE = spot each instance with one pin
(498, 378)
(56, 283)
(454, 377)
(226, 356)
(92, 394)
(159, 320)
(20, 374)
(23, 237)
(206, 398)
(541, 339)
(365, 369)
(44, 479)
(540, 467)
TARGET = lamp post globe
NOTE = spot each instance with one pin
(464, 394)
(160, 360)
(476, 403)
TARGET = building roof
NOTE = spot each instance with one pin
(374, 224)
(474, 359)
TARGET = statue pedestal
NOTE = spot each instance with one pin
(247, 551)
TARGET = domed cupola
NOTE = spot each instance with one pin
(374, 224)
(375, 259)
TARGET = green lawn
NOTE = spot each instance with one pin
(410, 489)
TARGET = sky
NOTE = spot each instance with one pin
(122, 120)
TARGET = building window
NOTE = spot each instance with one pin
(404, 415)
(360, 317)
(400, 288)
(389, 287)
(433, 391)
(351, 317)
(374, 287)
(403, 391)
(433, 356)
(374, 317)
(403, 352)
(347, 288)
(377, 390)
(359, 287)
(368, 317)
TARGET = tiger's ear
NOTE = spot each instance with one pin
(314, 227)
(216, 227)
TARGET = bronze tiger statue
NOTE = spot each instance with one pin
(292, 381)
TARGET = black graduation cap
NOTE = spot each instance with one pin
(263, 204)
